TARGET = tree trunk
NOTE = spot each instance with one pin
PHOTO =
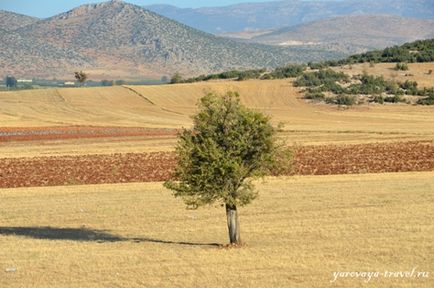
(233, 224)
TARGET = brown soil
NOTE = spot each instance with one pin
(158, 166)
(75, 132)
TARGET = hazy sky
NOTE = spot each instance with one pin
(47, 8)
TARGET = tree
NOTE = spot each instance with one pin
(227, 147)
(176, 78)
(11, 82)
(120, 82)
(106, 82)
(81, 77)
(164, 79)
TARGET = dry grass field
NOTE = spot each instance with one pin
(170, 106)
(300, 231)
(418, 72)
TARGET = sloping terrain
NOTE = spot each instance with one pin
(279, 14)
(30, 57)
(170, 106)
(125, 39)
(10, 21)
(352, 34)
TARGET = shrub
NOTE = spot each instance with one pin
(347, 100)
(289, 71)
(378, 99)
(321, 77)
(401, 66)
(314, 95)
(393, 99)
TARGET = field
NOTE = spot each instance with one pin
(418, 72)
(123, 232)
(298, 233)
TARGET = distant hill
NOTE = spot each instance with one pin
(288, 13)
(352, 34)
(417, 51)
(31, 57)
(119, 40)
(10, 21)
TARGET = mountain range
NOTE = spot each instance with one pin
(351, 34)
(119, 40)
(280, 14)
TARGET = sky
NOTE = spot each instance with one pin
(48, 8)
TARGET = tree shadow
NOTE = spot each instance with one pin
(85, 234)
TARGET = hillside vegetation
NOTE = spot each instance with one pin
(10, 21)
(352, 34)
(119, 39)
(279, 14)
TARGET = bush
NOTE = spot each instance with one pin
(393, 99)
(176, 78)
(317, 66)
(316, 96)
(426, 101)
(289, 71)
(401, 66)
(378, 99)
(347, 100)
(410, 87)
(326, 77)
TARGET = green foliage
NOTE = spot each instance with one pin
(288, 71)
(120, 82)
(233, 74)
(326, 77)
(107, 83)
(176, 78)
(347, 100)
(314, 95)
(11, 82)
(227, 145)
(418, 51)
(80, 76)
(401, 66)
(428, 100)
(410, 87)
(394, 99)
(378, 99)
(317, 65)
(370, 84)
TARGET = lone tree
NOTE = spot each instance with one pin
(81, 77)
(11, 82)
(227, 147)
(176, 78)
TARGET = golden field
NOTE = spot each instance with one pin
(170, 106)
(418, 72)
(298, 233)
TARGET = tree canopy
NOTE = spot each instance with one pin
(228, 145)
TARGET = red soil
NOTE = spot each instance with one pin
(73, 132)
(158, 166)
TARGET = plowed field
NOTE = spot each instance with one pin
(158, 166)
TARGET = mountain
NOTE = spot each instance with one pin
(287, 13)
(30, 57)
(10, 21)
(119, 40)
(352, 34)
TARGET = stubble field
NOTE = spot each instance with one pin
(300, 230)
